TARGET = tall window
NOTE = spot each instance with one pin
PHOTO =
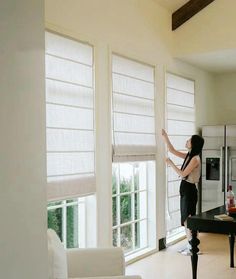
(70, 129)
(134, 149)
(180, 127)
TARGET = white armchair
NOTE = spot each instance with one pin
(93, 263)
(97, 263)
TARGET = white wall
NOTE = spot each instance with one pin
(23, 244)
(225, 85)
(139, 29)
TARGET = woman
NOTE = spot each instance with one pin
(190, 173)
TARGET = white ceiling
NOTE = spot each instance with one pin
(171, 5)
(222, 61)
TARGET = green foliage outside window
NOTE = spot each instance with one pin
(125, 211)
(72, 227)
(55, 223)
(125, 185)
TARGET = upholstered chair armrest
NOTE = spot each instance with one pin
(95, 262)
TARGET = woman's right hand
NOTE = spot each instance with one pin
(164, 134)
(170, 147)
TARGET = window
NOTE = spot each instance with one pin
(70, 135)
(129, 204)
(67, 218)
(134, 149)
(180, 127)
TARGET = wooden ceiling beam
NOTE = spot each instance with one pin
(188, 10)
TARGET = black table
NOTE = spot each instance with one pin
(205, 222)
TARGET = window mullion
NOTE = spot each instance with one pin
(78, 220)
(147, 213)
(147, 190)
(64, 220)
(118, 209)
(133, 211)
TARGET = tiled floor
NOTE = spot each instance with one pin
(169, 264)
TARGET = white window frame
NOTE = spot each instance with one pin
(133, 221)
(150, 191)
(85, 198)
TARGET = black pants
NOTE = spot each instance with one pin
(188, 200)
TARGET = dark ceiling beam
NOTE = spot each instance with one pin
(188, 10)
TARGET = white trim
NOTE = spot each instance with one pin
(133, 221)
(128, 193)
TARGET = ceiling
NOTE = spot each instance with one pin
(171, 5)
(222, 61)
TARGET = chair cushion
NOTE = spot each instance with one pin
(57, 260)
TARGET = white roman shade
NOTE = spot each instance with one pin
(70, 118)
(133, 110)
(180, 127)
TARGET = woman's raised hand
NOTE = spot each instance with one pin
(164, 134)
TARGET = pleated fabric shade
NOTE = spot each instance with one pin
(70, 118)
(134, 135)
(180, 126)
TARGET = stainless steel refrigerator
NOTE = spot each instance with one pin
(218, 165)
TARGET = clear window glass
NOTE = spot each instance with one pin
(129, 203)
(66, 217)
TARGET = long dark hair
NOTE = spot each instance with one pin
(197, 143)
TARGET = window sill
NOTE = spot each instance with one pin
(175, 238)
(129, 259)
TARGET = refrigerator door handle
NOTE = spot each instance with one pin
(227, 165)
(222, 151)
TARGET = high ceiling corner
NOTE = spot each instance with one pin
(187, 11)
